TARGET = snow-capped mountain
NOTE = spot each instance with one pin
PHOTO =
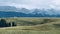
(10, 11)
(7, 8)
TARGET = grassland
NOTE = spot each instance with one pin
(32, 26)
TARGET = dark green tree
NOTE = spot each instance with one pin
(3, 23)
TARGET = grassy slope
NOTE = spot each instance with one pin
(47, 28)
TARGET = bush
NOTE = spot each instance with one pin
(46, 21)
(57, 25)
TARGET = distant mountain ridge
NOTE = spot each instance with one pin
(10, 11)
(7, 8)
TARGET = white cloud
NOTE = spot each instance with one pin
(56, 4)
(32, 3)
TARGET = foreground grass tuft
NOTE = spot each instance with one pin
(27, 32)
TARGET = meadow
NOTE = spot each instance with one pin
(32, 26)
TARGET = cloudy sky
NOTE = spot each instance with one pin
(31, 3)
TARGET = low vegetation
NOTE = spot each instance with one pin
(31, 26)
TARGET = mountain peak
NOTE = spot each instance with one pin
(7, 8)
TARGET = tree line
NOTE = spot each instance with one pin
(3, 23)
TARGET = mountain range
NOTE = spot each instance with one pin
(11, 11)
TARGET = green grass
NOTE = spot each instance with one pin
(26, 26)
(27, 32)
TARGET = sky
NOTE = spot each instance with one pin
(30, 4)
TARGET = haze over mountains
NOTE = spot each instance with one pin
(11, 11)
